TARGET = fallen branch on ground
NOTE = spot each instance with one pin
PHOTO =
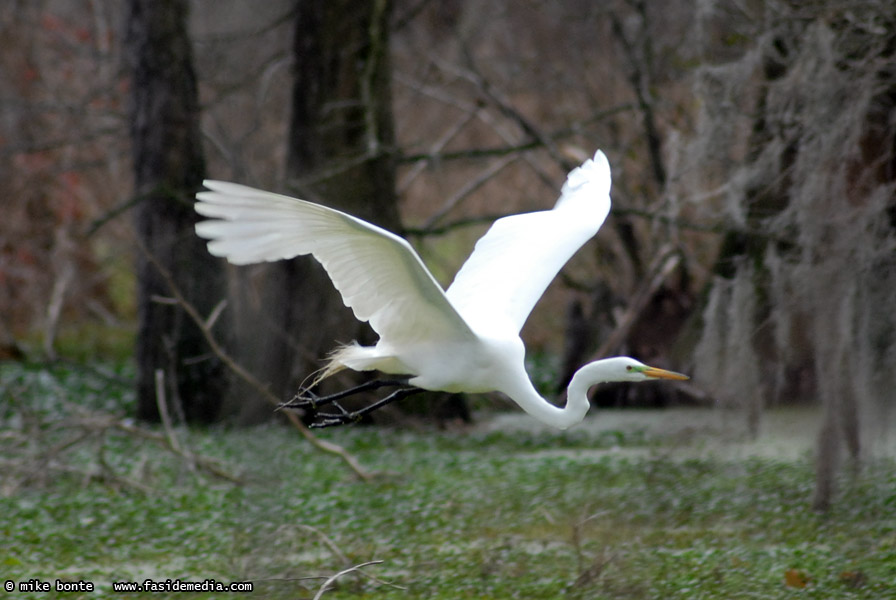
(37, 453)
(327, 585)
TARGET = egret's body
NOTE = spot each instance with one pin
(463, 339)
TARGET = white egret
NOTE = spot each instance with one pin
(463, 339)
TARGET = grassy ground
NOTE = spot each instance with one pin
(629, 505)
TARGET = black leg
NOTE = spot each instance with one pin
(308, 400)
(344, 417)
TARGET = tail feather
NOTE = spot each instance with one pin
(333, 365)
(356, 357)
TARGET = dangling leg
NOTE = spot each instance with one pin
(308, 400)
(343, 416)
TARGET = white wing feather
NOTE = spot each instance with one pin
(513, 263)
(379, 275)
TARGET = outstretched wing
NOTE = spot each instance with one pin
(520, 255)
(379, 275)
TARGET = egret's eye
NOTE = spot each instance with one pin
(629, 368)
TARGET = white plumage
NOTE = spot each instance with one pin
(462, 339)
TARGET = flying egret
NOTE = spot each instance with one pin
(463, 339)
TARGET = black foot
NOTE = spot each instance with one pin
(344, 417)
(330, 419)
(309, 401)
(303, 400)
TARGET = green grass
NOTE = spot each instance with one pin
(453, 514)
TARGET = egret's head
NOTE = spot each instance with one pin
(623, 368)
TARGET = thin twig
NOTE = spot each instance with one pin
(47, 458)
(470, 187)
(213, 316)
(328, 542)
(207, 464)
(641, 82)
(662, 267)
(424, 159)
(355, 569)
(162, 403)
(472, 74)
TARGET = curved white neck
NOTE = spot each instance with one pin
(577, 403)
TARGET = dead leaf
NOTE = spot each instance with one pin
(797, 578)
(853, 579)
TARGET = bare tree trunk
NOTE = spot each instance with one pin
(341, 145)
(168, 169)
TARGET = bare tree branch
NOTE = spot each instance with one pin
(470, 187)
(663, 265)
(508, 110)
(640, 79)
(422, 160)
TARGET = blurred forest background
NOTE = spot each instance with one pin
(753, 147)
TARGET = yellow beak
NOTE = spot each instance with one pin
(655, 373)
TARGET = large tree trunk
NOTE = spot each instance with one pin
(168, 169)
(341, 145)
